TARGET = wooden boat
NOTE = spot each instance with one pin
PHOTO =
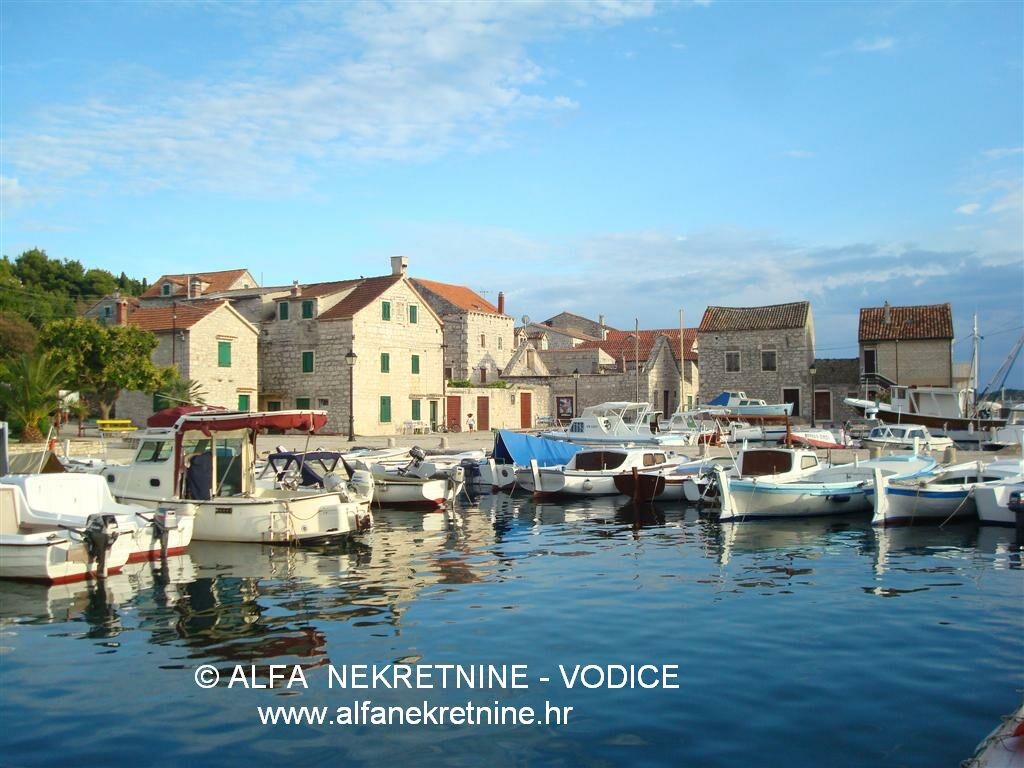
(592, 471)
(904, 437)
(1003, 748)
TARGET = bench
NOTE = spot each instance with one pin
(115, 425)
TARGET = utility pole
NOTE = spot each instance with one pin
(682, 364)
(636, 356)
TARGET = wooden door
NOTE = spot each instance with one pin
(526, 410)
(823, 406)
(454, 411)
(483, 413)
(792, 395)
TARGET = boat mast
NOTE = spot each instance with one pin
(974, 361)
(682, 365)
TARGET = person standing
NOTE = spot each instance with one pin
(470, 424)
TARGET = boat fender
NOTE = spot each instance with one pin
(587, 484)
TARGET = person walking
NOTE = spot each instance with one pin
(470, 424)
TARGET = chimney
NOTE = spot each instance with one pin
(604, 331)
(886, 313)
(121, 312)
(399, 265)
(501, 302)
(296, 288)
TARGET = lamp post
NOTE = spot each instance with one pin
(350, 358)
(812, 370)
(576, 399)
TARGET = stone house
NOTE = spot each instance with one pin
(208, 342)
(196, 285)
(763, 351)
(542, 336)
(478, 336)
(578, 325)
(105, 310)
(833, 381)
(909, 346)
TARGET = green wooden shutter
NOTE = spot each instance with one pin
(302, 403)
(224, 354)
(307, 362)
(415, 410)
(413, 313)
(307, 309)
(385, 310)
(385, 409)
(385, 362)
(415, 363)
(243, 402)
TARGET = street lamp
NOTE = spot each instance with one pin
(576, 399)
(812, 370)
(350, 358)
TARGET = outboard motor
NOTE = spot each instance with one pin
(165, 520)
(100, 533)
(471, 468)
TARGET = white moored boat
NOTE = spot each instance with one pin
(1000, 503)
(56, 555)
(947, 495)
(826, 490)
(207, 459)
(591, 472)
(904, 437)
(620, 422)
(739, 403)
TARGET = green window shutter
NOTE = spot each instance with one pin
(415, 410)
(413, 312)
(307, 309)
(385, 409)
(243, 402)
(282, 310)
(307, 362)
(415, 363)
(224, 354)
(302, 403)
(273, 405)
(385, 362)
(385, 310)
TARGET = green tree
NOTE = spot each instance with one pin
(104, 360)
(178, 391)
(17, 335)
(30, 387)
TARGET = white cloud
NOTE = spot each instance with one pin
(969, 209)
(11, 192)
(341, 83)
(874, 45)
(800, 154)
(1000, 153)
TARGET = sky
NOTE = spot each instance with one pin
(627, 159)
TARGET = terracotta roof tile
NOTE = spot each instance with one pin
(459, 295)
(925, 321)
(771, 318)
(366, 292)
(180, 316)
(218, 281)
(621, 344)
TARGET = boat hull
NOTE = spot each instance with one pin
(53, 558)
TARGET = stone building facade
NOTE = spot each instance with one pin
(196, 285)
(479, 337)
(833, 381)
(208, 342)
(763, 351)
(909, 346)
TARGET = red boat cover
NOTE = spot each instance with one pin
(304, 421)
(168, 417)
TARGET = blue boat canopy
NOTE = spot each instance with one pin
(518, 449)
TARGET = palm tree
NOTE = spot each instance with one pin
(30, 387)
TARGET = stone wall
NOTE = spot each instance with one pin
(475, 341)
(914, 363)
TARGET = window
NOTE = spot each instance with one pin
(415, 363)
(282, 310)
(385, 409)
(385, 310)
(499, 342)
(307, 361)
(155, 451)
(768, 360)
(483, 340)
(385, 362)
(483, 375)
(732, 361)
(107, 311)
(307, 309)
(323, 403)
(273, 405)
(165, 290)
(448, 374)
(413, 313)
(302, 403)
(416, 410)
(243, 402)
(223, 354)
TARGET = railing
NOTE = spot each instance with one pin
(876, 380)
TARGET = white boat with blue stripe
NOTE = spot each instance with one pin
(827, 490)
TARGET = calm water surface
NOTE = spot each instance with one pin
(808, 643)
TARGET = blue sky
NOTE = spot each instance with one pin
(625, 159)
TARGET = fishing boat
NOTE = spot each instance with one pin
(1000, 503)
(904, 437)
(55, 554)
(685, 481)
(592, 471)
(1012, 433)
(1003, 747)
(940, 408)
(945, 496)
(206, 460)
(620, 422)
(740, 404)
(824, 490)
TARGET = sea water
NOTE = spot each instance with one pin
(657, 636)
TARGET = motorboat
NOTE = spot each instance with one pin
(416, 484)
(314, 470)
(620, 422)
(1003, 747)
(54, 554)
(592, 471)
(205, 460)
(70, 499)
(939, 408)
(738, 403)
(515, 450)
(1012, 433)
(945, 496)
(904, 437)
(685, 481)
(1000, 503)
(825, 490)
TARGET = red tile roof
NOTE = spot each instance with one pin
(771, 318)
(180, 316)
(925, 321)
(218, 281)
(459, 295)
(621, 344)
(366, 292)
